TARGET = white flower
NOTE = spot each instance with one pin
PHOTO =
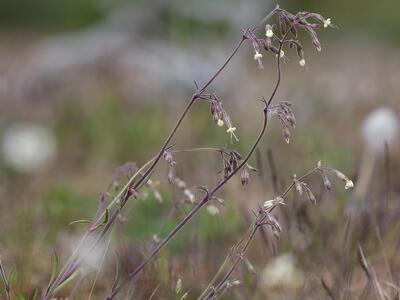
(282, 54)
(327, 22)
(220, 122)
(269, 204)
(231, 130)
(282, 272)
(257, 56)
(235, 283)
(348, 185)
(28, 147)
(269, 33)
(302, 62)
(347, 182)
(213, 210)
(379, 127)
(190, 196)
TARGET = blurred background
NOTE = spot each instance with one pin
(86, 86)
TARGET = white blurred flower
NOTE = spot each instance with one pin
(189, 195)
(302, 62)
(269, 204)
(28, 147)
(90, 255)
(213, 210)
(282, 273)
(379, 127)
(220, 122)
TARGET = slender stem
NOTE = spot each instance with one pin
(191, 214)
(208, 196)
(237, 260)
(209, 286)
(187, 108)
(136, 185)
(254, 227)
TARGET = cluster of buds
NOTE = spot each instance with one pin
(302, 20)
(286, 116)
(289, 26)
(231, 160)
(302, 187)
(220, 116)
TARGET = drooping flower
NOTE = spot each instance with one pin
(268, 31)
(231, 130)
(302, 62)
(347, 182)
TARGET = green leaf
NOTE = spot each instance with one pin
(56, 264)
(105, 218)
(80, 222)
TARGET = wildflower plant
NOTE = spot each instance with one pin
(276, 39)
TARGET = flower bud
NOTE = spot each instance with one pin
(286, 133)
(244, 176)
(171, 174)
(297, 185)
(327, 182)
(310, 195)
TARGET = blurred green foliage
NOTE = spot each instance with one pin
(49, 15)
(378, 18)
(109, 129)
